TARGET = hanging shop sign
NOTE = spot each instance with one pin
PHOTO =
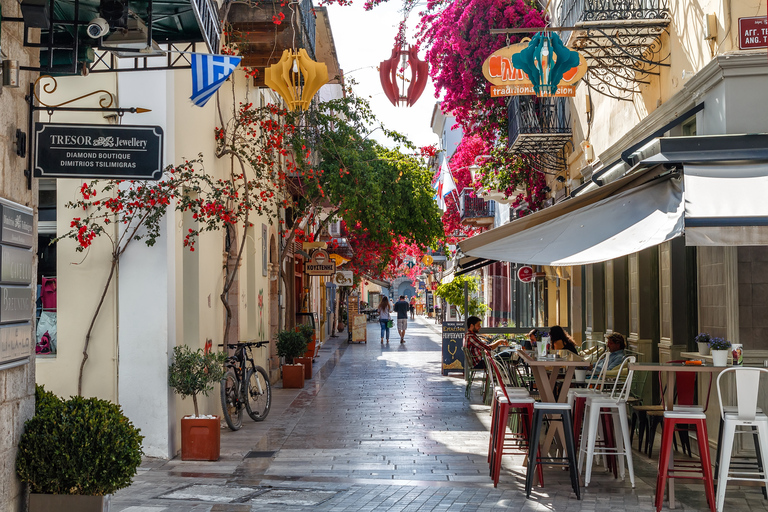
(427, 260)
(555, 69)
(453, 343)
(320, 264)
(525, 274)
(753, 33)
(340, 260)
(343, 278)
(98, 151)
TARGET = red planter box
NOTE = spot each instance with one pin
(293, 375)
(200, 438)
(307, 362)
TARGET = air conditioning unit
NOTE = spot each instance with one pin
(132, 42)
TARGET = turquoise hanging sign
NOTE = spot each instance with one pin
(545, 61)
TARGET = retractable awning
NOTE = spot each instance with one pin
(717, 203)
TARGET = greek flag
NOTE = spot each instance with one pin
(208, 73)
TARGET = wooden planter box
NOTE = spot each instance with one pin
(307, 362)
(68, 503)
(293, 375)
(200, 438)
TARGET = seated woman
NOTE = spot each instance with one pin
(561, 340)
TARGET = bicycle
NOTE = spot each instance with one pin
(256, 397)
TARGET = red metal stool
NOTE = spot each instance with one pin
(511, 443)
(674, 420)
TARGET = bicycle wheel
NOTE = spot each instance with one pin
(230, 405)
(259, 392)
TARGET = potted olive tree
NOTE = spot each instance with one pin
(190, 374)
(308, 332)
(290, 345)
(74, 454)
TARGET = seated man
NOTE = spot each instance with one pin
(477, 343)
(616, 346)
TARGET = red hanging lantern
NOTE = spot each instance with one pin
(394, 84)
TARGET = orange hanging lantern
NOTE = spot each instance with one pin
(297, 78)
(394, 84)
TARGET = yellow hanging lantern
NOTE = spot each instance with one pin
(296, 78)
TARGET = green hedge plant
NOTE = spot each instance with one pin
(77, 446)
(291, 344)
(195, 372)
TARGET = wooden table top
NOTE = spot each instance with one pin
(677, 367)
(561, 359)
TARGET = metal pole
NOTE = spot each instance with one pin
(466, 300)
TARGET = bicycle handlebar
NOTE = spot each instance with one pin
(257, 344)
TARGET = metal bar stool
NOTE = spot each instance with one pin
(534, 457)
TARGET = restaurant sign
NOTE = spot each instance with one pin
(320, 264)
(507, 80)
(453, 343)
(753, 33)
(99, 151)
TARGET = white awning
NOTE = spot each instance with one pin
(726, 203)
(616, 226)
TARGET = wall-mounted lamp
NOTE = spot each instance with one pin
(560, 179)
(10, 73)
(710, 27)
(588, 150)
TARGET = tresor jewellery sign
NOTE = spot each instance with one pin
(98, 151)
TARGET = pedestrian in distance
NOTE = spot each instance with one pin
(401, 308)
(384, 316)
(413, 308)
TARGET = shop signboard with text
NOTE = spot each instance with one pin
(507, 80)
(99, 151)
(320, 264)
(525, 274)
(453, 347)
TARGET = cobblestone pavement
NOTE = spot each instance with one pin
(379, 428)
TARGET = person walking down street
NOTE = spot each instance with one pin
(384, 316)
(413, 308)
(401, 308)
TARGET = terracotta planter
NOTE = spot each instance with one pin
(307, 362)
(293, 375)
(310, 352)
(200, 438)
(68, 503)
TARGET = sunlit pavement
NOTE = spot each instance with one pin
(379, 428)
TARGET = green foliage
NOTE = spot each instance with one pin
(307, 331)
(77, 446)
(290, 344)
(194, 372)
(453, 293)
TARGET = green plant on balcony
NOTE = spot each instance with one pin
(501, 173)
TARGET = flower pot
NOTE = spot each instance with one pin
(720, 357)
(293, 375)
(310, 352)
(200, 438)
(703, 348)
(307, 362)
(68, 503)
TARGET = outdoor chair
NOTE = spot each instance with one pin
(734, 420)
(470, 372)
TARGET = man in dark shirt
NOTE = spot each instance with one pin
(401, 308)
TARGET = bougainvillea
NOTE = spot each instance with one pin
(458, 40)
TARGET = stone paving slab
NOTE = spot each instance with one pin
(379, 428)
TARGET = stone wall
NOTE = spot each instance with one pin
(17, 385)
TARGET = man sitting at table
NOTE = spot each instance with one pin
(616, 346)
(476, 343)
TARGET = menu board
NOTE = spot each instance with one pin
(453, 346)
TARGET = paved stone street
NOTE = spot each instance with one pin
(379, 428)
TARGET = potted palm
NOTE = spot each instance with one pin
(190, 374)
(702, 340)
(290, 345)
(74, 454)
(720, 348)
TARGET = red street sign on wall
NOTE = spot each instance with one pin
(525, 274)
(753, 33)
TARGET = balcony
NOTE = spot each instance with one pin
(475, 211)
(261, 42)
(620, 39)
(538, 125)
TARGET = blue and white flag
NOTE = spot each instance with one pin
(208, 73)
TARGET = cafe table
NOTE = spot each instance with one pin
(671, 370)
(546, 369)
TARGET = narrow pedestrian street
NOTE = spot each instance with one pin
(379, 428)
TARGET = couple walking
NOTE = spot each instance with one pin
(401, 308)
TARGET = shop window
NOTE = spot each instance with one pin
(45, 311)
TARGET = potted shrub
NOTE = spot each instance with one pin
(192, 373)
(702, 340)
(290, 345)
(75, 454)
(308, 332)
(720, 348)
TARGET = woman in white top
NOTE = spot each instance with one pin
(384, 310)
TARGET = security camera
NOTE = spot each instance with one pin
(98, 27)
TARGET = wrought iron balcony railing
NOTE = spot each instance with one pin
(475, 211)
(538, 125)
(621, 40)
